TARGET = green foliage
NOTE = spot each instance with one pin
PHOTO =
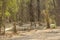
(12, 4)
(7, 14)
(0, 3)
(53, 26)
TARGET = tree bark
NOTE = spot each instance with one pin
(38, 11)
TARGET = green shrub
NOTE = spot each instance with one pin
(53, 26)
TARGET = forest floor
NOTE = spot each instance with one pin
(47, 34)
(41, 34)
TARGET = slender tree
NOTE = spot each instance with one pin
(31, 12)
(3, 13)
(47, 13)
(38, 10)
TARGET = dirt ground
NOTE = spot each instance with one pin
(48, 34)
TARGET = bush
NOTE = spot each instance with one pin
(53, 26)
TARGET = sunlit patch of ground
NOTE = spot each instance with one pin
(48, 34)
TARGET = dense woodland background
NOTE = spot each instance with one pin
(37, 13)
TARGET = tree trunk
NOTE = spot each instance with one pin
(31, 13)
(15, 31)
(47, 19)
(38, 11)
